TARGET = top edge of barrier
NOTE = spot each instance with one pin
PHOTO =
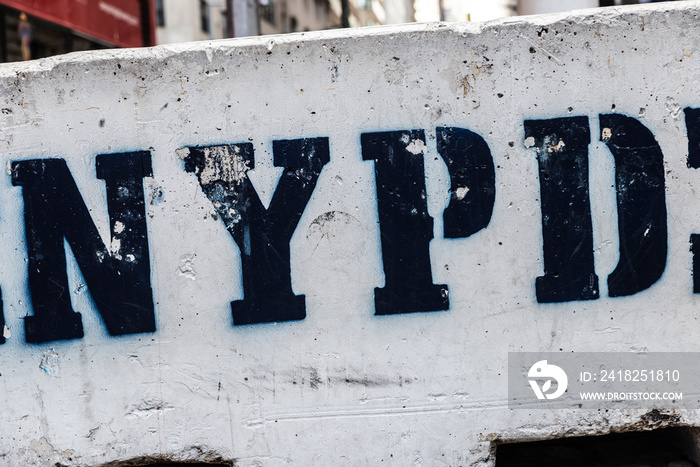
(267, 43)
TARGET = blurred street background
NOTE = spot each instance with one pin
(31, 29)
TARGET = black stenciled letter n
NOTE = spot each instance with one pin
(118, 277)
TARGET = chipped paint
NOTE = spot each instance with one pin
(115, 248)
(416, 147)
(461, 192)
(186, 269)
(223, 163)
(50, 363)
(555, 147)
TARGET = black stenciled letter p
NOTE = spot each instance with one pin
(262, 235)
(118, 277)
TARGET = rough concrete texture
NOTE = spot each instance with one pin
(342, 386)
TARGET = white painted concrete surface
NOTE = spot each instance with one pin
(342, 386)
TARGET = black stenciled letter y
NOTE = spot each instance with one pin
(262, 235)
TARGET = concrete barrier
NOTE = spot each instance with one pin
(320, 248)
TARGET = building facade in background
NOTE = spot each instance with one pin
(41, 28)
(475, 10)
(284, 16)
(479, 10)
(192, 20)
(179, 21)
